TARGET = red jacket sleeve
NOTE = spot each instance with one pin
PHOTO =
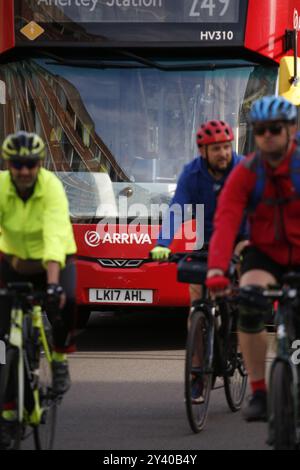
(229, 214)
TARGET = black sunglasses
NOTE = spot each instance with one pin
(19, 164)
(274, 129)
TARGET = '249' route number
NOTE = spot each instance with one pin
(210, 5)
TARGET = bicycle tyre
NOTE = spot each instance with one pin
(197, 413)
(44, 433)
(282, 419)
(235, 375)
(10, 373)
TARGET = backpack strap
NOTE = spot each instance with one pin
(257, 166)
(295, 170)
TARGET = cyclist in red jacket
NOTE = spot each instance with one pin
(274, 231)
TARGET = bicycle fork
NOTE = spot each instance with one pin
(16, 340)
(210, 317)
(38, 326)
(283, 356)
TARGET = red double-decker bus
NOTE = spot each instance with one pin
(117, 88)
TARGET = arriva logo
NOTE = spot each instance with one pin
(93, 238)
(296, 20)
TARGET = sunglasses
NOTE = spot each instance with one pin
(274, 129)
(19, 164)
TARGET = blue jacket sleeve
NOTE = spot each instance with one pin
(174, 216)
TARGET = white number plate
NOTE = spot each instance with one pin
(124, 296)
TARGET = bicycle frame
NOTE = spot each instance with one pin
(213, 339)
(17, 340)
(210, 308)
(210, 316)
(283, 316)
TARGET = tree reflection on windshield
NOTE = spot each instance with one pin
(135, 125)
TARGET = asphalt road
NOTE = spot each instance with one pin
(127, 393)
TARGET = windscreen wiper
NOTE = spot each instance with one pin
(191, 66)
(137, 61)
(89, 64)
(99, 63)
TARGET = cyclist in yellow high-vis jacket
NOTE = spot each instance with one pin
(38, 227)
(37, 242)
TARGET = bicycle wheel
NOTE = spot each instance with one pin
(44, 433)
(282, 418)
(196, 374)
(235, 375)
(9, 391)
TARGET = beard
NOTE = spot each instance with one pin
(24, 184)
(275, 157)
(24, 187)
(216, 169)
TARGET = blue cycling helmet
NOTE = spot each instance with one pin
(273, 108)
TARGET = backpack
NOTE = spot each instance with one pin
(257, 193)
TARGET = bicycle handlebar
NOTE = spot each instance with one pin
(272, 292)
(176, 257)
(23, 290)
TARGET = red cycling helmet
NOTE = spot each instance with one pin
(213, 132)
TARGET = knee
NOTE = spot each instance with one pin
(253, 307)
(250, 320)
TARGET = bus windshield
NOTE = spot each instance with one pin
(115, 131)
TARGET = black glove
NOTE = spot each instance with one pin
(54, 292)
(52, 305)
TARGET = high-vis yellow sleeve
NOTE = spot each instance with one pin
(57, 229)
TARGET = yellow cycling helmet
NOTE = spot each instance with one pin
(23, 145)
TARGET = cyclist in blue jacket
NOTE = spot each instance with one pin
(200, 183)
